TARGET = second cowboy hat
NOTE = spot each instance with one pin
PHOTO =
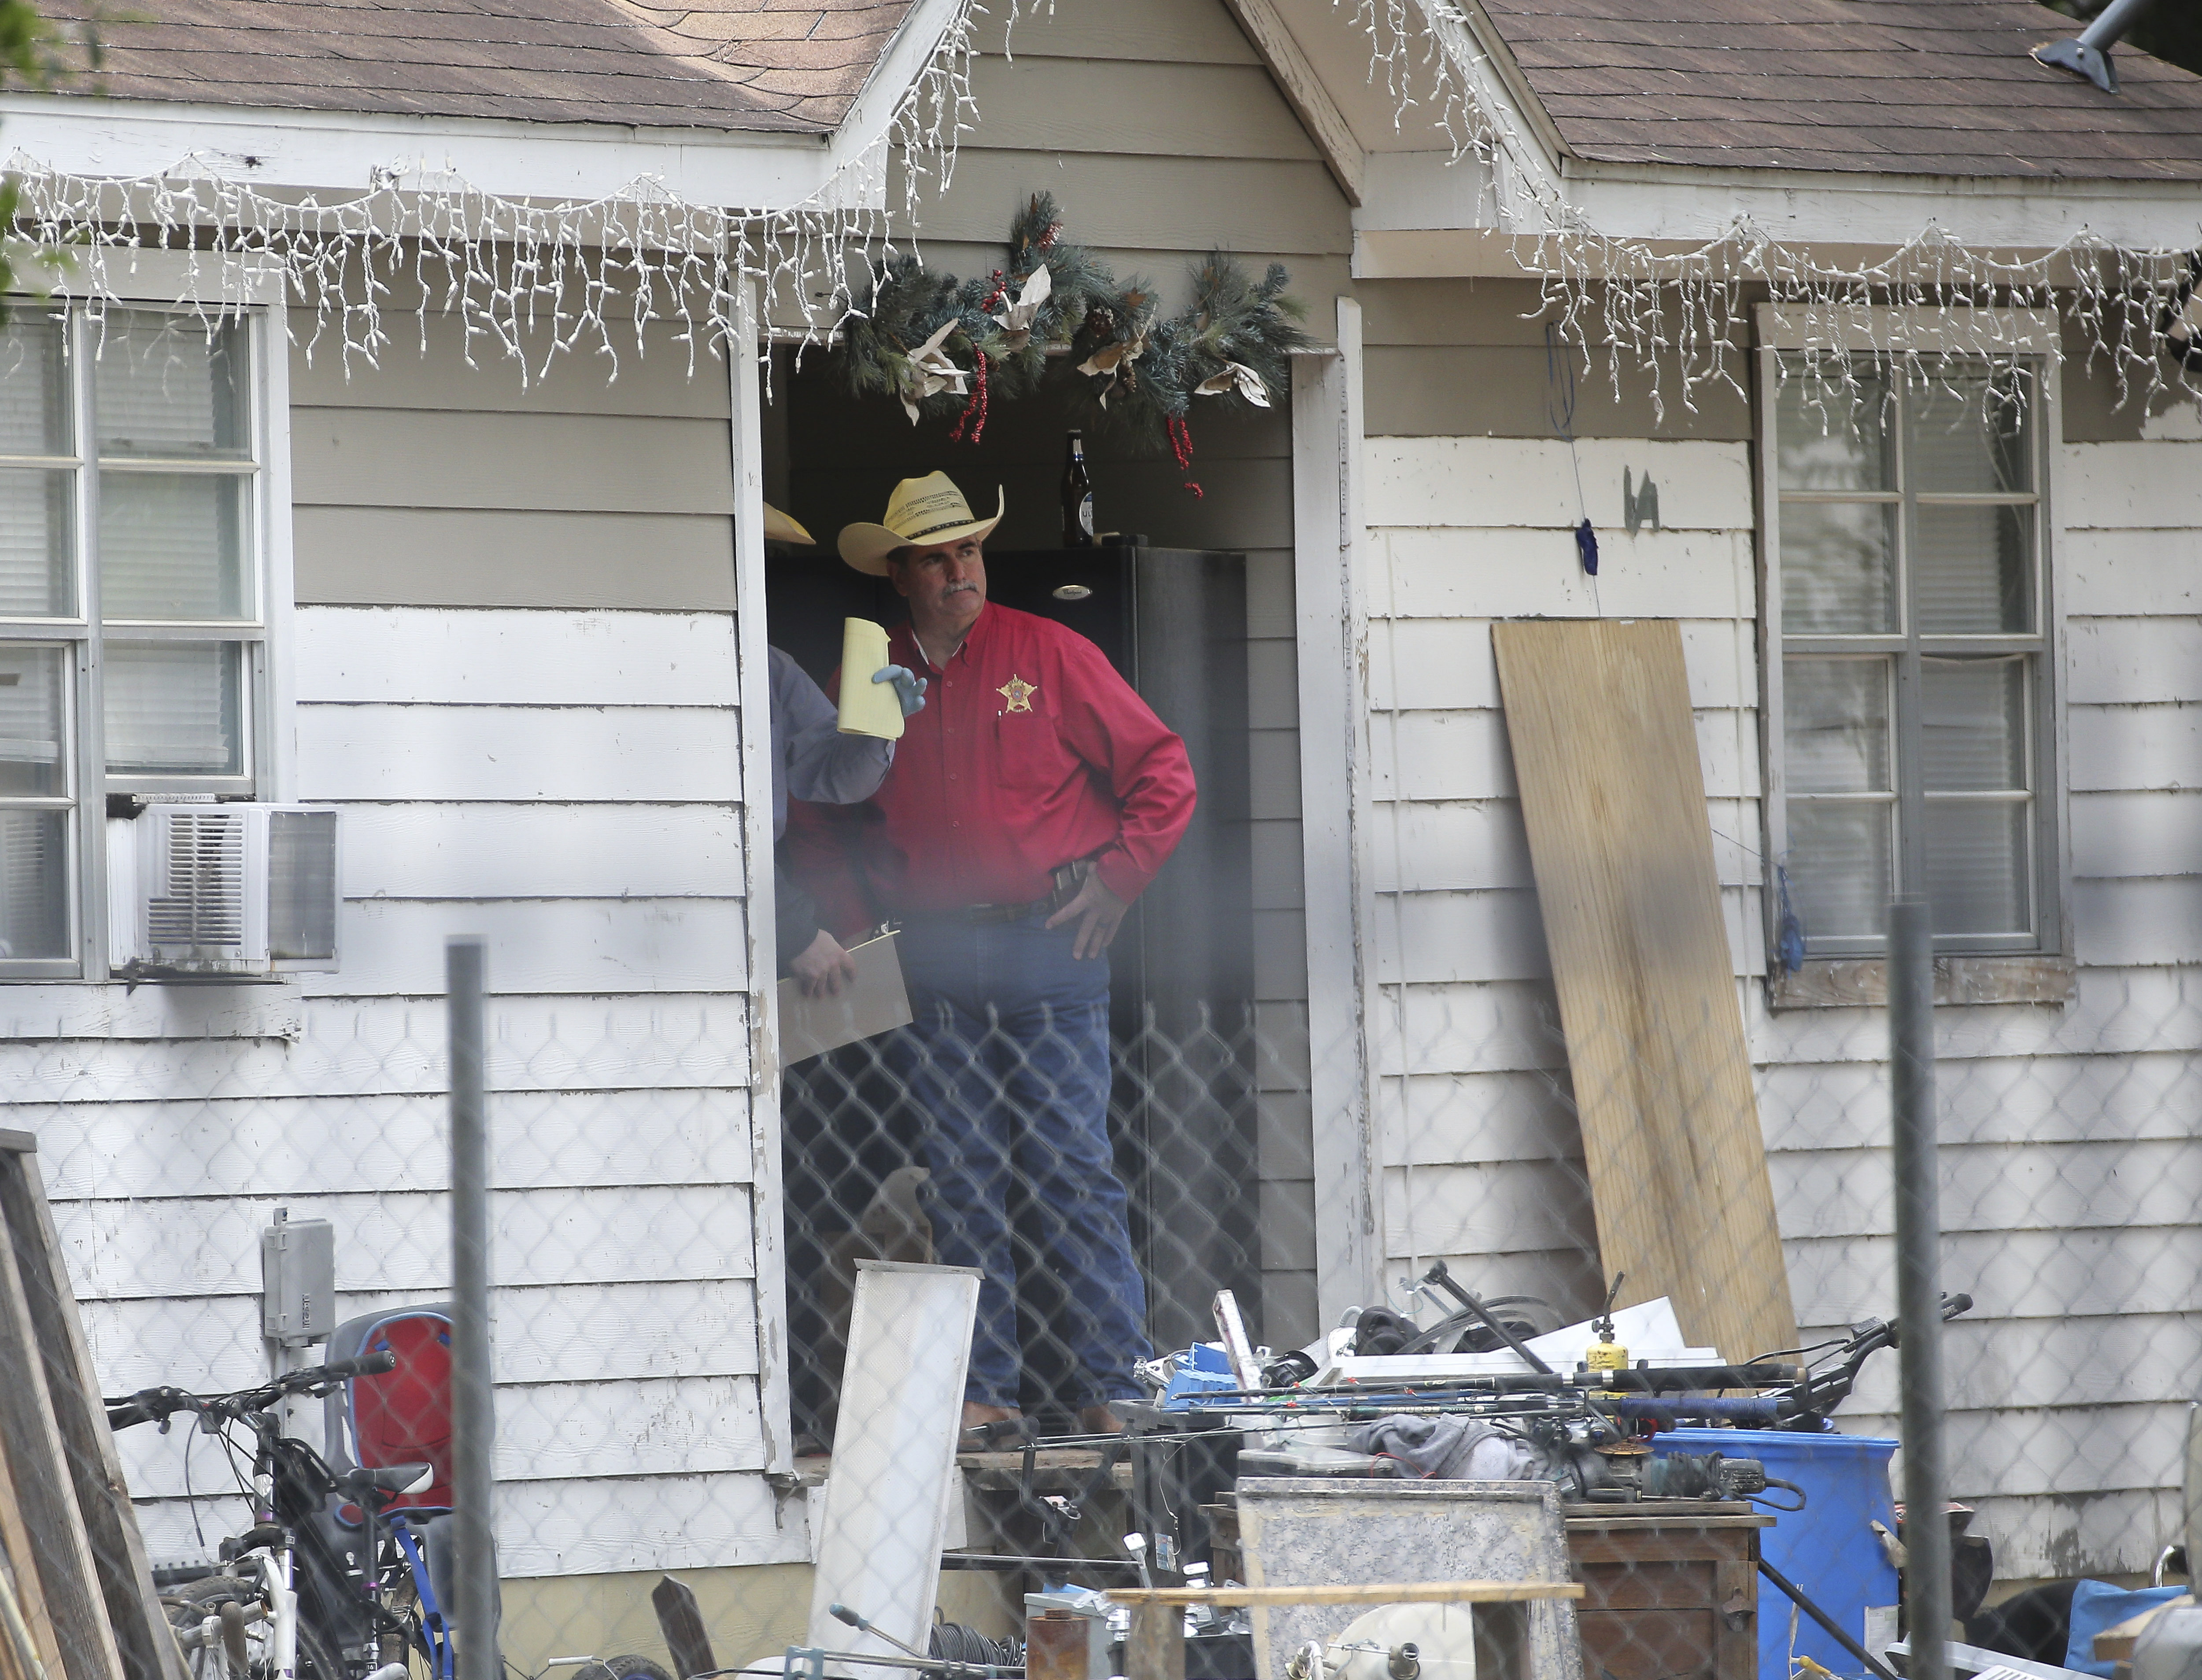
(921, 513)
(780, 527)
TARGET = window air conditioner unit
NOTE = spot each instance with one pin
(210, 890)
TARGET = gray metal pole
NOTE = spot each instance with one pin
(1918, 1287)
(474, 1424)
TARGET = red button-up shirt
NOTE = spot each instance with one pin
(1031, 751)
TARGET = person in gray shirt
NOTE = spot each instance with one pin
(813, 760)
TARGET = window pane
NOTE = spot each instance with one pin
(34, 391)
(1838, 866)
(1838, 568)
(1977, 865)
(1835, 717)
(1973, 433)
(172, 546)
(174, 708)
(1974, 719)
(38, 566)
(164, 387)
(1823, 441)
(34, 722)
(34, 874)
(1975, 567)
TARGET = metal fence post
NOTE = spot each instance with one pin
(474, 1425)
(1918, 1289)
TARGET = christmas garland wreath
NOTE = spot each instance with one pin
(945, 348)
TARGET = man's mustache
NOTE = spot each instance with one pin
(956, 588)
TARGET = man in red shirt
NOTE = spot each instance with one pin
(1030, 802)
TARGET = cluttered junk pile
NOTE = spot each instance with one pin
(1467, 1500)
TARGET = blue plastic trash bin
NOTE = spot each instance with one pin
(1828, 1549)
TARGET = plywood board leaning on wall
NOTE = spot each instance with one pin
(1597, 713)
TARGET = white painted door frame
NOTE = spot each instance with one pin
(745, 372)
(1330, 593)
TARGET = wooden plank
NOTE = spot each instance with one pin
(2139, 923)
(548, 1333)
(36, 1454)
(696, 1233)
(1137, 32)
(1464, 755)
(511, 851)
(1492, 571)
(425, 369)
(34, 1641)
(429, 656)
(2133, 661)
(680, 1619)
(391, 945)
(1174, 205)
(394, 458)
(381, 1045)
(465, 557)
(679, 754)
(2124, 835)
(1043, 104)
(1597, 716)
(365, 1145)
(1326, 125)
(1444, 664)
(2133, 486)
(2117, 749)
(1402, 1592)
(1500, 481)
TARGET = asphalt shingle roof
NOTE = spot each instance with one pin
(778, 65)
(1931, 87)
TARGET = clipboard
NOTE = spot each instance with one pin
(875, 1002)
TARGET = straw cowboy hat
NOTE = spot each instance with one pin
(779, 528)
(922, 513)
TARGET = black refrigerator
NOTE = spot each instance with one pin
(1173, 621)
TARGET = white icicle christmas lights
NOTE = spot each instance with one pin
(1685, 315)
(533, 281)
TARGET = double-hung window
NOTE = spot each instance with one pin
(134, 520)
(1908, 639)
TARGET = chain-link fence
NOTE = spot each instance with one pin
(710, 1364)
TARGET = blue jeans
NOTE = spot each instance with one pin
(1007, 1059)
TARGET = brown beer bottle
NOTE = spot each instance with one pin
(1077, 494)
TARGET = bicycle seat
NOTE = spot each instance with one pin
(388, 1479)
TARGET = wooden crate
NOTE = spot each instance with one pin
(1670, 1589)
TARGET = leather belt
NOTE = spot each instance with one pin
(1068, 880)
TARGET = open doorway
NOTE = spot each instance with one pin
(1172, 603)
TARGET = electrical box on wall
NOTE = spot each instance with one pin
(298, 1280)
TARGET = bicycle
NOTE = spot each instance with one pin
(294, 1598)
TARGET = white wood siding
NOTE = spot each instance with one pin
(515, 666)
(2069, 1184)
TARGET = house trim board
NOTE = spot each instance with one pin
(745, 439)
(1329, 544)
(1303, 91)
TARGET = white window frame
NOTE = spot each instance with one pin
(1968, 971)
(183, 282)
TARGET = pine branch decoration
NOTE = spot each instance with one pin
(944, 347)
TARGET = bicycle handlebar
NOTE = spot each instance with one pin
(152, 1405)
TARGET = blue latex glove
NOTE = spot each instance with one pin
(910, 688)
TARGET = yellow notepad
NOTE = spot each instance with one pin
(867, 708)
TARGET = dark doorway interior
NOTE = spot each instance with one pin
(1173, 621)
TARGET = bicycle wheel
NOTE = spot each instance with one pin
(622, 1668)
(317, 1658)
